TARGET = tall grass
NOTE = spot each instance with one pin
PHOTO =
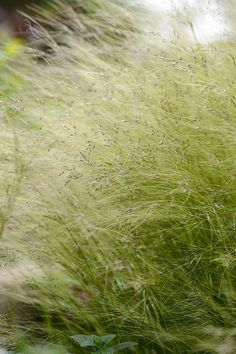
(128, 200)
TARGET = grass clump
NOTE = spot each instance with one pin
(57, 22)
(129, 203)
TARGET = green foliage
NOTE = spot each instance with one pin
(100, 343)
(93, 20)
(11, 49)
(93, 341)
(97, 344)
(128, 205)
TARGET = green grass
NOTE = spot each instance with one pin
(97, 22)
(127, 195)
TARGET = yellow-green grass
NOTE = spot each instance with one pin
(126, 174)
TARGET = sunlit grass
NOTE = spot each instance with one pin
(127, 192)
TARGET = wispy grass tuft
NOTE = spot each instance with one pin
(129, 202)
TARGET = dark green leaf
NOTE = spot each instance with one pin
(85, 341)
(106, 339)
(93, 341)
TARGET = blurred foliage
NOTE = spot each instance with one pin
(93, 20)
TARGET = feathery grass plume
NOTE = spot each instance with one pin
(129, 204)
(99, 22)
(12, 164)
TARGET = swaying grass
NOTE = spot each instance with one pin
(95, 21)
(127, 198)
